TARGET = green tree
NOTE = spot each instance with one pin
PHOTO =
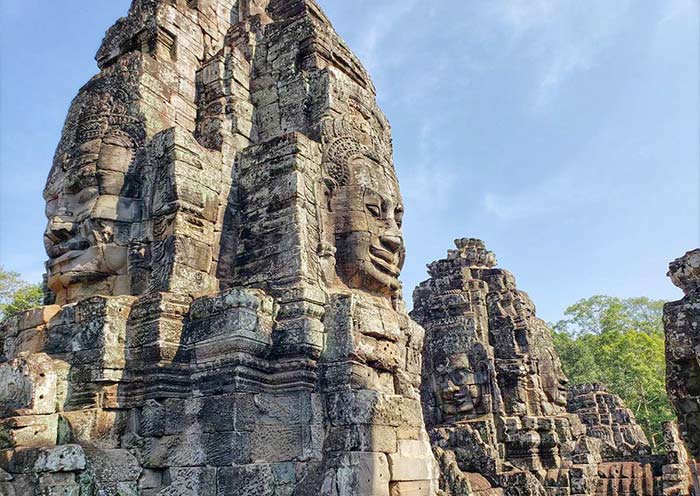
(620, 343)
(599, 314)
(16, 295)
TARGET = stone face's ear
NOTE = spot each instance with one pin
(329, 188)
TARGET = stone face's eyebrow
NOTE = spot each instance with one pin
(371, 193)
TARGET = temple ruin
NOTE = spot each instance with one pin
(495, 398)
(223, 307)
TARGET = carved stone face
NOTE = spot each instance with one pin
(86, 235)
(554, 382)
(685, 271)
(460, 389)
(367, 214)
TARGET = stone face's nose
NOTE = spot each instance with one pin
(59, 229)
(392, 243)
(451, 388)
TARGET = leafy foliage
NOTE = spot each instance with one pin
(17, 295)
(599, 314)
(620, 343)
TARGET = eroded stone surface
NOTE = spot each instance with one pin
(607, 419)
(495, 398)
(682, 326)
(224, 242)
(678, 468)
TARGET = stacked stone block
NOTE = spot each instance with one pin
(682, 325)
(231, 321)
(607, 419)
(494, 397)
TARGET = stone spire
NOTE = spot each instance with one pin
(493, 390)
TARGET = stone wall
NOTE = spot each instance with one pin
(682, 324)
(607, 418)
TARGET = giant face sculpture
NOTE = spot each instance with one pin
(87, 234)
(531, 337)
(554, 382)
(367, 211)
(459, 388)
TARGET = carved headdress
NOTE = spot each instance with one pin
(107, 113)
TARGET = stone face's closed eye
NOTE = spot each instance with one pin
(374, 210)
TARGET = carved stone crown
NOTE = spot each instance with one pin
(342, 142)
(474, 252)
(107, 111)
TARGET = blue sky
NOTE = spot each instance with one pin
(563, 133)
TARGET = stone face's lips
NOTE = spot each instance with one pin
(385, 261)
(73, 276)
(387, 268)
(68, 249)
(383, 254)
(66, 257)
(459, 397)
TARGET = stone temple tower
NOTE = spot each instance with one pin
(495, 397)
(224, 314)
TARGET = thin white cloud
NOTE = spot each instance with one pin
(385, 17)
(559, 38)
(525, 15)
(677, 9)
(555, 194)
(430, 181)
(679, 17)
(561, 67)
(562, 38)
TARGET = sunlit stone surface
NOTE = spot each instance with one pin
(224, 242)
(682, 325)
(495, 397)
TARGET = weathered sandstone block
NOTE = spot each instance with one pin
(682, 325)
